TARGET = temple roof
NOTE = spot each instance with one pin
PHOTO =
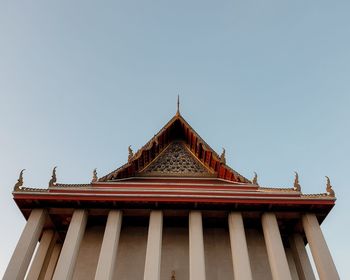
(176, 150)
(175, 169)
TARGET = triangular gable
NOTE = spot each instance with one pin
(177, 129)
(176, 160)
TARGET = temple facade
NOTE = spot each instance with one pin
(175, 210)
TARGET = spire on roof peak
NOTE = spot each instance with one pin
(178, 105)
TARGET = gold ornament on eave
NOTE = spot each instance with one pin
(329, 188)
(131, 153)
(297, 186)
(53, 179)
(19, 183)
(223, 156)
(255, 179)
(94, 176)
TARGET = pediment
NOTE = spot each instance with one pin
(176, 160)
(157, 156)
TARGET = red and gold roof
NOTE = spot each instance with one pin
(176, 169)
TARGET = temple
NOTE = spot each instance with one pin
(174, 210)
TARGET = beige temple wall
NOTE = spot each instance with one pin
(130, 259)
(85, 267)
(218, 259)
(130, 262)
(258, 256)
(175, 253)
(259, 261)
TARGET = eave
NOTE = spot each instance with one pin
(125, 195)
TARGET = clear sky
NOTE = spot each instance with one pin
(267, 80)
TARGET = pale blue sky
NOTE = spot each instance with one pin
(267, 80)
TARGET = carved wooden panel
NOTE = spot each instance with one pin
(176, 160)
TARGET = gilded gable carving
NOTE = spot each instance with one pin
(176, 160)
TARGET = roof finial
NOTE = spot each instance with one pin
(222, 156)
(178, 105)
(329, 188)
(297, 186)
(255, 179)
(19, 181)
(94, 176)
(53, 180)
(131, 153)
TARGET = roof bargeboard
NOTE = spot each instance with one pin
(176, 136)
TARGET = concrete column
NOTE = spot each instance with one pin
(319, 249)
(108, 253)
(154, 246)
(239, 249)
(53, 261)
(275, 250)
(197, 259)
(301, 258)
(22, 255)
(68, 257)
(41, 259)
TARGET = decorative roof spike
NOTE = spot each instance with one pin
(94, 176)
(297, 186)
(131, 153)
(53, 180)
(329, 188)
(178, 105)
(222, 156)
(19, 183)
(255, 179)
(173, 275)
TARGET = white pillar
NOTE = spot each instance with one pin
(22, 255)
(319, 249)
(197, 259)
(275, 250)
(108, 253)
(239, 249)
(53, 261)
(154, 246)
(40, 261)
(301, 258)
(66, 262)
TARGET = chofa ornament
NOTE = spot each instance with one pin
(223, 156)
(255, 179)
(297, 186)
(19, 183)
(53, 180)
(131, 153)
(329, 188)
(94, 176)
